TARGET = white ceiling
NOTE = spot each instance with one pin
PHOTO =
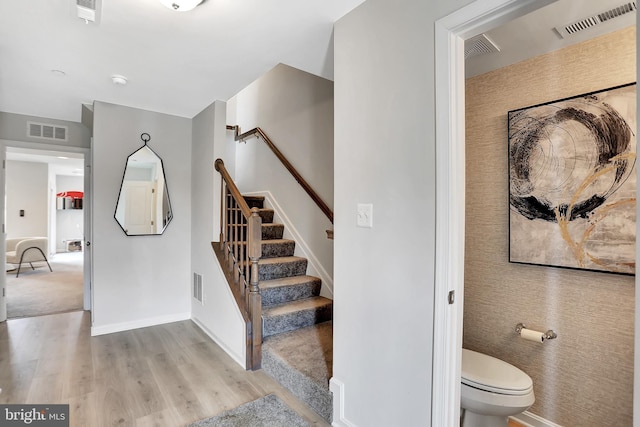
(61, 163)
(180, 62)
(534, 34)
(175, 62)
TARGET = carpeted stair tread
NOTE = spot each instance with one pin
(275, 268)
(266, 215)
(273, 248)
(295, 306)
(302, 361)
(279, 291)
(272, 231)
(254, 201)
(308, 350)
(296, 314)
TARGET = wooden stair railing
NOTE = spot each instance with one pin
(240, 241)
(257, 132)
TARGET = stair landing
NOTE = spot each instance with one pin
(302, 361)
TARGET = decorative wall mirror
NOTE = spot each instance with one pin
(143, 206)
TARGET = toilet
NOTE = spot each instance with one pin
(492, 390)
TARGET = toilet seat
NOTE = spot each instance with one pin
(487, 373)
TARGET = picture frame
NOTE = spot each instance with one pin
(572, 182)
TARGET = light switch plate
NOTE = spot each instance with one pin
(365, 215)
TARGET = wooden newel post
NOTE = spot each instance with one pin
(223, 215)
(255, 299)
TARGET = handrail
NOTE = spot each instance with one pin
(296, 175)
(241, 244)
(242, 203)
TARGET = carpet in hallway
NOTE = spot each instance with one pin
(39, 292)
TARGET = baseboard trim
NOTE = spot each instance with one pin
(532, 420)
(137, 324)
(337, 388)
(239, 359)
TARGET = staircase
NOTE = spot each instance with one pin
(297, 328)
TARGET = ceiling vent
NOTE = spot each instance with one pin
(592, 21)
(47, 131)
(479, 45)
(87, 10)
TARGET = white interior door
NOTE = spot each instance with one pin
(86, 206)
(138, 217)
(3, 237)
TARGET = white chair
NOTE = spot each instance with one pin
(27, 249)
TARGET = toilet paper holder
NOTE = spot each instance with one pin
(549, 335)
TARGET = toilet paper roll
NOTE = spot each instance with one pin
(530, 335)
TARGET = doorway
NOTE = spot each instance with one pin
(44, 198)
(451, 33)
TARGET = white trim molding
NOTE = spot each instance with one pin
(528, 419)
(337, 388)
(450, 33)
(136, 324)
(238, 358)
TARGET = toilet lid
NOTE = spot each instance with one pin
(488, 373)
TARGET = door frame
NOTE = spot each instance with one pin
(87, 263)
(450, 33)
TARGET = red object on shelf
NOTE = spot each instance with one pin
(72, 194)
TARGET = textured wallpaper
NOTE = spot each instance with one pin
(585, 376)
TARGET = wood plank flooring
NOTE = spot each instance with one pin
(167, 375)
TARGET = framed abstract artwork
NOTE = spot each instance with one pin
(572, 182)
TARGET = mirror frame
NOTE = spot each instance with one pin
(166, 190)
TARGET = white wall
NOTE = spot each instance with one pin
(385, 155)
(27, 188)
(218, 315)
(295, 109)
(69, 222)
(141, 280)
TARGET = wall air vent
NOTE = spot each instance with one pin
(592, 21)
(87, 4)
(197, 287)
(47, 131)
(479, 45)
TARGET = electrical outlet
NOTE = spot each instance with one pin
(365, 215)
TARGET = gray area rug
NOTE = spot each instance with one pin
(268, 411)
(39, 292)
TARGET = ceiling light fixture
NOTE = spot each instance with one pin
(181, 5)
(118, 79)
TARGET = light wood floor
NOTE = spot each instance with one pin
(168, 375)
